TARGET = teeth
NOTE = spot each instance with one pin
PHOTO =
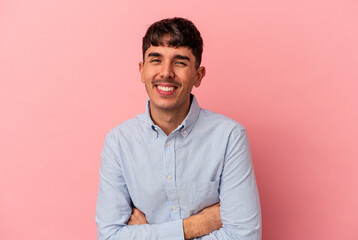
(166, 89)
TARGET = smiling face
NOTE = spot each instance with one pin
(169, 74)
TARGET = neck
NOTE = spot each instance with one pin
(168, 121)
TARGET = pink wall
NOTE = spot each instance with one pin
(287, 70)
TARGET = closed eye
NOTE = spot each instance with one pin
(181, 63)
(155, 61)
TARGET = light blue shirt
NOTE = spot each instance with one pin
(204, 161)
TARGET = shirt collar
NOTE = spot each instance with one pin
(186, 126)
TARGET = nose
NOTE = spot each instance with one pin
(166, 71)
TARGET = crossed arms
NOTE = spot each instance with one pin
(203, 223)
(237, 217)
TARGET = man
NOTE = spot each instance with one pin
(176, 171)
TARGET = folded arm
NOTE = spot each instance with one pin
(239, 200)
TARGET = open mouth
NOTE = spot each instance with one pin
(165, 90)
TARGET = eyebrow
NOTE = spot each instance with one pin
(154, 54)
(178, 56)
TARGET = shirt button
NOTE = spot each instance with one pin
(168, 144)
(185, 132)
(169, 178)
(154, 133)
(174, 208)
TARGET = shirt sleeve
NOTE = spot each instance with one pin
(114, 205)
(239, 200)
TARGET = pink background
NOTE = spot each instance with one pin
(287, 70)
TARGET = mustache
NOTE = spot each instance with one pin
(170, 81)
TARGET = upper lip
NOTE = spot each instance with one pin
(166, 83)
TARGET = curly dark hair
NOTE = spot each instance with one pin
(181, 33)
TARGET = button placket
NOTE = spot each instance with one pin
(170, 183)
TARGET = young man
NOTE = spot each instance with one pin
(177, 171)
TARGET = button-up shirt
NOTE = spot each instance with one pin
(205, 160)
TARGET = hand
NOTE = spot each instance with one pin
(203, 223)
(137, 218)
(211, 218)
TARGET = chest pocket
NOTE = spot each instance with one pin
(195, 196)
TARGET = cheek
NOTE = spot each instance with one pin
(148, 74)
(188, 80)
(144, 76)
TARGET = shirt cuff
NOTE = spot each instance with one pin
(172, 230)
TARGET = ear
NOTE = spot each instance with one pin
(140, 67)
(200, 74)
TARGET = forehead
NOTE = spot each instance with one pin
(168, 51)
